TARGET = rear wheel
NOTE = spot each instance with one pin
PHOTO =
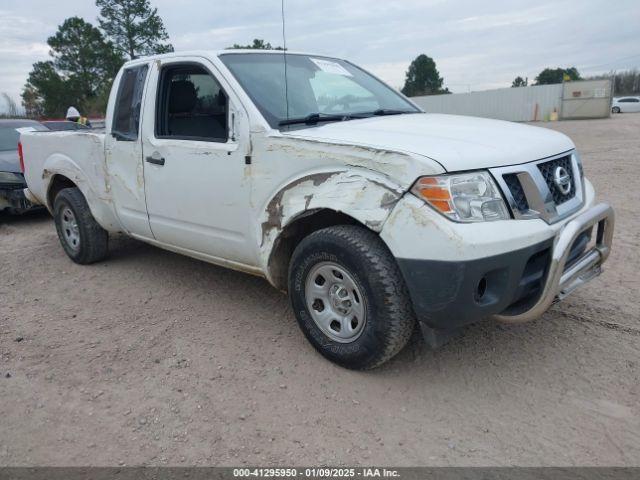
(615, 109)
(349, 297)
(82, 239)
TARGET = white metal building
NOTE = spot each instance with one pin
(582, 99)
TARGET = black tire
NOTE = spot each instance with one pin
(615, 109)
(390, 319)
(93, 240)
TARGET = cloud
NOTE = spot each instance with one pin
(510, 19)
(219, 38)
(391, 72)
(476, 45)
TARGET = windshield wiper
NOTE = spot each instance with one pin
(387, 111)
(314, 118)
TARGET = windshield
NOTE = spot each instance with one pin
(9, 138)
(316, 86)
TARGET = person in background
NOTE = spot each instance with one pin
(73, 115)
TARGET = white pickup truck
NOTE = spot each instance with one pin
(373, 215)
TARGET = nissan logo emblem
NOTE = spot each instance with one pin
(562, 180)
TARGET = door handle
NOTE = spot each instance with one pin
(156, 159)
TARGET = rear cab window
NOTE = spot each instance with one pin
(126, 115)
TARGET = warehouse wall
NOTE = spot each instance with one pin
(587, 99)
(524, 104)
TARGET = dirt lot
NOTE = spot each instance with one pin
(154, 358)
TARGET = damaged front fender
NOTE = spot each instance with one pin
(361, 194)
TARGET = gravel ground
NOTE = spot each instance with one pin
(151, 358)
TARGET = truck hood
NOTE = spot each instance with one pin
(456, 142)
(9, 161)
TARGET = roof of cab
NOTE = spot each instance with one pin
(217, 53)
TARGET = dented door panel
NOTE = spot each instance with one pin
(125, 176)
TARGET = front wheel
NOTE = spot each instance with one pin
(349, 297)
(82, 238)
(615, 109)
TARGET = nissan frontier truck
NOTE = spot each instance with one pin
(372, 215)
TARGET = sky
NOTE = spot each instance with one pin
(477, 45)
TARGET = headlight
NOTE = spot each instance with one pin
(576, 155)
(463, 197)
(8, 177)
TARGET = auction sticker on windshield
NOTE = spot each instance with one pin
(331, 67)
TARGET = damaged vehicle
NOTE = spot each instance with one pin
(374, 216)
(12, 182)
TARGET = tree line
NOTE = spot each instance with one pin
(423, 78)
(626, 82)
(549, 76)
(86, 58)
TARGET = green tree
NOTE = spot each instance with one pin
(80, 73)
(549, 76)
(519, 82)
(258, 44)
(134, 27)
(83, 56)
(423, 78)
(46, 93)
(32, 102)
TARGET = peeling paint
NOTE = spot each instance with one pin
(388, 200)
(81, 161)
(275, 208)
(355, 192)
(307, 199)
(391, 163)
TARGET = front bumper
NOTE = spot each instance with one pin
(12, 197)
(514, 286)
(564, 276)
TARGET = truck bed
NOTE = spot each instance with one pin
(78, 155)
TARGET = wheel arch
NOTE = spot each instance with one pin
(58, 182)
(315, 201)
(100, 207)
(294, 232)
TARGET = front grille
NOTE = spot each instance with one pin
(519, 198)
(548, 169)
(531, 192)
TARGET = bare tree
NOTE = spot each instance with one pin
(12, 108)
(625, 82)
